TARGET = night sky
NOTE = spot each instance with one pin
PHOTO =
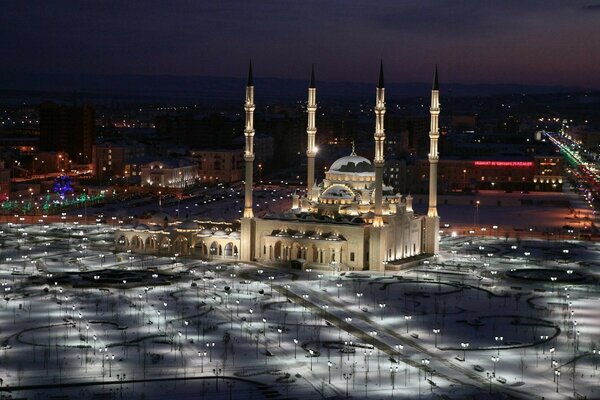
(554, 42)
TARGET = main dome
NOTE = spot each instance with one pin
(352, 164)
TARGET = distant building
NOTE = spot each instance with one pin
(219, 165)
(45, 162)
(69, 129)
(4, 181)
(534, 173)
(176, 173)
(212, 131)
(464, 123)
(111, 158)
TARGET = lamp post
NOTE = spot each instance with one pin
(347, 377)
(557, 374)
(393, 371)
(295, 347)
(210, 347)
(121, 378)
(465, 346)
(359, 296)
(490, 376)
(498, 339)
(311, 352)
(329, 364)
(382, 306)
(339, 285)
(407, 318)
(202, 354)
(425, 362)
(543, 338)
(495, 359)
(217, 372)
(110, 360)
(436, 331)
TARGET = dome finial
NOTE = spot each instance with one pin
(353, 152)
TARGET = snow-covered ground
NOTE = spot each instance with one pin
(178, 328)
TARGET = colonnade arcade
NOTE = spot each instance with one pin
(320, 251)
(184, 244)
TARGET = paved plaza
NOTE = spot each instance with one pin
(489, 317)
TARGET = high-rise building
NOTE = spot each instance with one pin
(69, 129)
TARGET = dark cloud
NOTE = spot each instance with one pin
(474, 40)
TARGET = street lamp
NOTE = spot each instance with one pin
(210, 347)
(201, 354)
(495, 359)
(393, 371)
(359, 295)
(436, 332)
(295, 346)
(407, 318)
(498, 339)
(543, 338)
(329, 364)
(465, 346)
(557, 374)
(347, 377)
(425, 362)
(382, 306)
(217, 372)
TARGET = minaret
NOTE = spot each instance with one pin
(249, 150)
(379, 144)
(433, 220)
(434, 134)
(311, 130)
(377, 246)
(247, 222)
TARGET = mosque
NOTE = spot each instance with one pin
(349, 221)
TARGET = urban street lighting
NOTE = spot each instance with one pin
(465, 346)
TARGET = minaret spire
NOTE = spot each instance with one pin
(249, 148)
(311, 131)
(433, 220)
(250, 78)
(379, 144)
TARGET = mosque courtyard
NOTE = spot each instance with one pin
(490, 317)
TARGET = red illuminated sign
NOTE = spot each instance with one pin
(504, 164)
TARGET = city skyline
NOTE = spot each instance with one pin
(539, 43)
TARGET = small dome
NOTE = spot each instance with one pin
(156, 228)
(235, 234)
(352, 164)
(188, 224)
(159, 218)
(220, 233)
(206, 232)
(142, 227)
